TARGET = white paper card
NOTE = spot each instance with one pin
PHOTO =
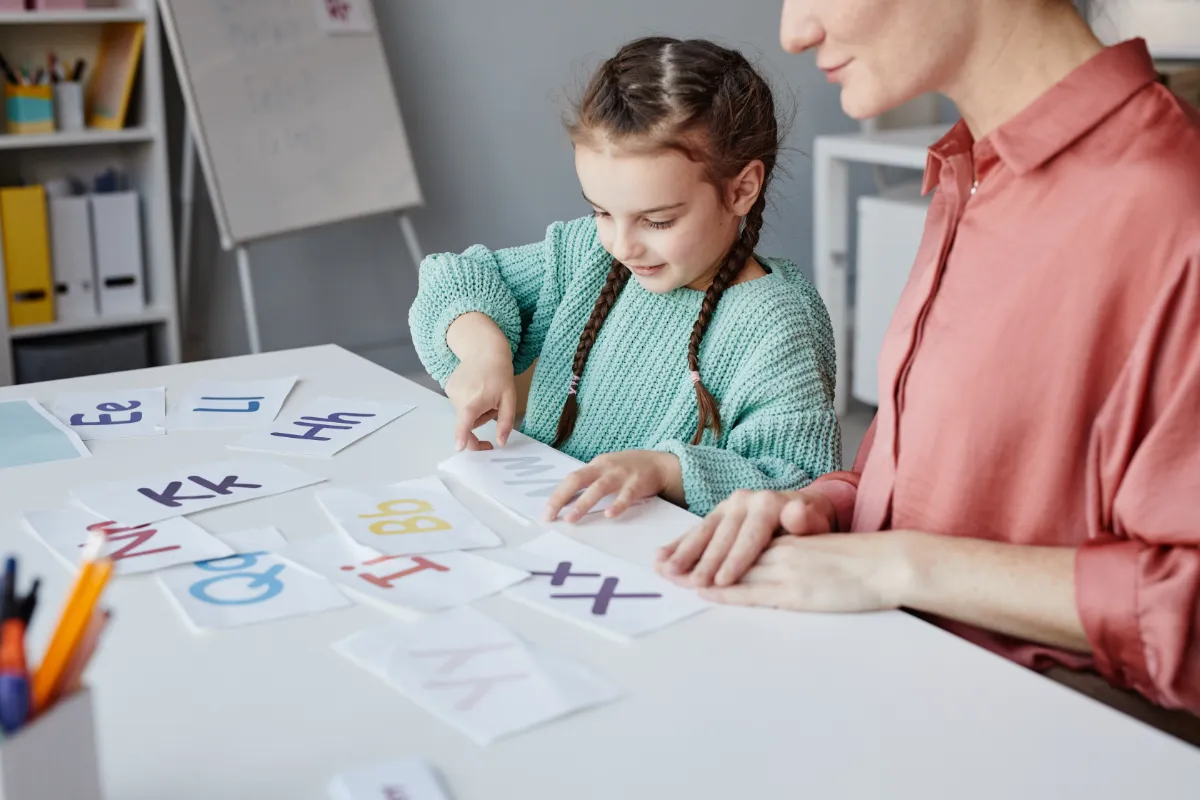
(186, 490)
(521, 475)
(114, 414)
(220, 405)
(412, 779)
(253, 585)
(143, 548)
(322, 427)
(599, 591)
(470, 671)
(344, 16)
(407, 518)
(414, 583)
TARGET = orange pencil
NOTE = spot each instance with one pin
(72, 624)
(72, 680)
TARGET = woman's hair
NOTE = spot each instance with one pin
(708, 103)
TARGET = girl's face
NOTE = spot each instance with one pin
(883, 53)
(658, 214)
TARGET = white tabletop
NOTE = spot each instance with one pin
(731, 703)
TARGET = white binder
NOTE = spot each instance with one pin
(117, 239)
(71, 257)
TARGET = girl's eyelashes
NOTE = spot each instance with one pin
(658, 226)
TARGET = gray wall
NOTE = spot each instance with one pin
(481, 86)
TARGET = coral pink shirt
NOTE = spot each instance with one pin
(1040, 381)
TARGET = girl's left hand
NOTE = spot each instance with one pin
(826, 573)
(631, 475)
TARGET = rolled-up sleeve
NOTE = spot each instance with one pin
(1138, 577)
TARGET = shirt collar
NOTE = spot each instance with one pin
(1057, 119)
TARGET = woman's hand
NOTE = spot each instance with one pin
(483, 388)
(631, 475)
(732, 536)
(832, 573)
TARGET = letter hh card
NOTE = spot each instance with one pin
(521, 475)
(599, 591)
(407, 518)
(186, 490)
(216, 405)
(115, 414)
(253, 585)
(141, 548)
(322, 427)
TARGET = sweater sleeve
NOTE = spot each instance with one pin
(787, 435)
(518, 287)
(1137, 580)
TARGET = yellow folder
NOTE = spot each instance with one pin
(26, 256)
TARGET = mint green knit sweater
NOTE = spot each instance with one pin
(767, 357)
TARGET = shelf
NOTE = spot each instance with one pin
(33, 141)
(86, 16)
(148, 317)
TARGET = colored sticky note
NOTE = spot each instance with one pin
(407, 518)
(29, 434)
(115, 414)
(473, 673)
(250, 586)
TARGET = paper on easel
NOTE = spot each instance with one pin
(471, 672)
(115, 414)
(406, 518)
(222, 405)
(521, 475)
(253, 585)
(142, 548)
(322, 427)
(421, 584)
(581, 584)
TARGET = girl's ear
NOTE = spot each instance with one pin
(745, 188)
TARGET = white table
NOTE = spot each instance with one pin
(907, 148)
(732, 703)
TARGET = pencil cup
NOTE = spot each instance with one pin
(29, 109)
(68, 105)
(53, 756)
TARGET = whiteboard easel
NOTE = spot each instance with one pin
(187, 197)
(293, 119)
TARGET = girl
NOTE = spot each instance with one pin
(675, 145)
(1036, 458)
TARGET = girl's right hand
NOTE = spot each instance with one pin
(482, 389)
(729, 541)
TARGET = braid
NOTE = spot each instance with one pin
(618, 276)
(739, 254)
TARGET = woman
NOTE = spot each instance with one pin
(1035, 459)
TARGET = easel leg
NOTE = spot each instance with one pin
(187, 185)
(243, 260)
(410, 239)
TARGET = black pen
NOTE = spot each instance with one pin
(78, 71)
(9, 75)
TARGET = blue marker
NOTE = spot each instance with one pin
(14, 674)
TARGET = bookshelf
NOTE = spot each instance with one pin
(140, 150)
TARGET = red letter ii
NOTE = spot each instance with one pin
(385, 581)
